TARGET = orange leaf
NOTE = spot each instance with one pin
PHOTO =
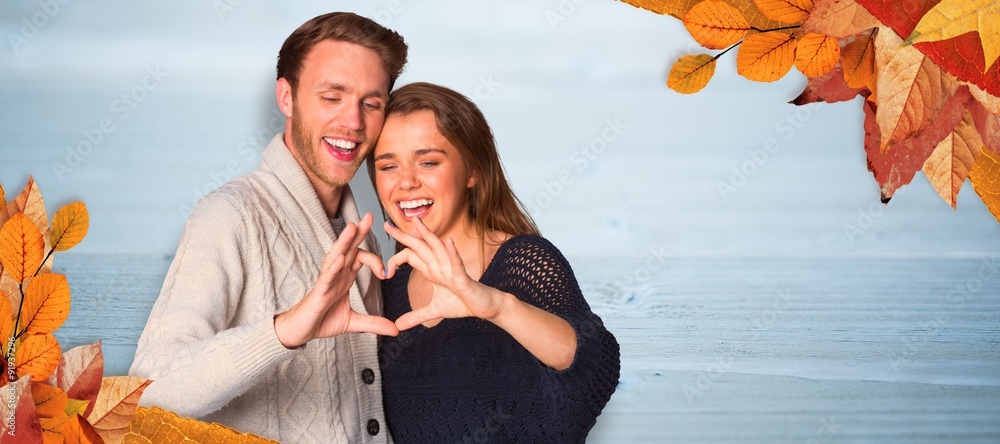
(39, 356)
(985, 178)
(49, 400)
(52, 428)
(31, 204)
(949, 164)
(766, 57)
(46, 304)
(715, 24)
(816, 54)
(3, 211)
(79, 374)
(21, 246)
(26, 426)
(911, 89)
(838, 19)
(78, 430)
(691, 73)
(155, 425)
(69, 226)
(858, 60)
(115, 405)
(6, 322)
(787, 11)
(678, 8)
(829, 88)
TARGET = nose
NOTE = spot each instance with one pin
(351, 117)
(407, 179)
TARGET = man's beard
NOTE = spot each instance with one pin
(305, 147)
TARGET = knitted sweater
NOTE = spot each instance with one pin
(467, 380)
(251, 249)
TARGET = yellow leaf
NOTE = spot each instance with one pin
(691, 73)
(115, 405)
(50, 401)
(786, 11)
(816, 54)
(155, 425)
(951, 160)
(715, 24)
(39, 356)
(838, 19)
(76, 406)
(766, 57)
(31, 204)
(78, 430)
(69, 226)
(52, 428)
(911, 89)
(858, 61)
(952, 18)
(46, 304)
(21, 246)
(985, 178)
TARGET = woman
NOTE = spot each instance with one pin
(497, 343)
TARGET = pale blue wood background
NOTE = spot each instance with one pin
(749, 317)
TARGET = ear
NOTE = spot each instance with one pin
(283, 92)
(472, 181)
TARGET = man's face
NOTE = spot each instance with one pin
(337, 110)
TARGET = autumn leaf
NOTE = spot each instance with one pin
(3, 210)
(838, 19)
(49, 401)
(26, 425)
(38, 355)
(678, 8)
(787, 11)
(985, 178)
(816, 54)
(52, 428)
(989, 101)
(897, 167)
(78, 430)
(715, 24)
(31, 204)
(69, 226)
(987, 123)
(6, 322)
(952, 18)
(858, 60)
(911, 89)
(950, 162)
(155, 425)
(116, 403)
(21, 247)
(46, 304)
(691, 73)
(79, 374)
(766, 57)
(829, 88)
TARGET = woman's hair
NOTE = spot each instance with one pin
(345, 27)
(491, 203)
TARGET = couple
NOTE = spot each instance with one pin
(271, 314)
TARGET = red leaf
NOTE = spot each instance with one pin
(829, 88)
(27, 428)
(80, 372)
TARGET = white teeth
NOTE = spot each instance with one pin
(340, 143)
(409, 204)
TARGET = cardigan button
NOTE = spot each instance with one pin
(372, 427)
(368, 376)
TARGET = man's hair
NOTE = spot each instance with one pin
(345, 27)
(491, 203)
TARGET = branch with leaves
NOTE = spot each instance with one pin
(931, 98)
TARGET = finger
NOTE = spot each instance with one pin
(359, 236)
(340, 246)
(435, 244)
(413, 243)
(414, 318)
(362, 323)
(407, 256)
(370, 259)
(457, 264)
(325, 280)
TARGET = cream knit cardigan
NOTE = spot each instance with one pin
(250, 250)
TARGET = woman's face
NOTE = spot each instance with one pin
(419, 173)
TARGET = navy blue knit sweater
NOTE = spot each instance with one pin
(467, 380)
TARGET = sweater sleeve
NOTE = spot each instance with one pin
(197, 360)
(541, 276)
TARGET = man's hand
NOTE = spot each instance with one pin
(326, 311)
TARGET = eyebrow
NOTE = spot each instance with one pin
(420, 152)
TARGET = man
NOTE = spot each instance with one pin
(267, 318)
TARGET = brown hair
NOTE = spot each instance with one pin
(347, 27)
(491, 202)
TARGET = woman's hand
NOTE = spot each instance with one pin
(455, 294)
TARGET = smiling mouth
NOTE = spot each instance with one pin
(416, 207)
(343, 149)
